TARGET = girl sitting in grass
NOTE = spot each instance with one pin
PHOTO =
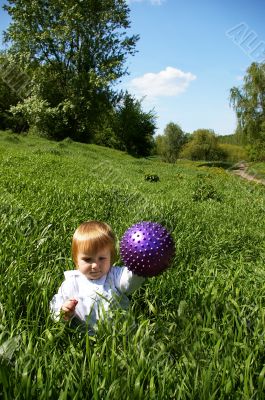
(95, 287)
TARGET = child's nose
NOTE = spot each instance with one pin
(94, 265)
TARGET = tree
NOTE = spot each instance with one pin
(170, 143)
(9, 97)
(203, 145)
(134, 127)
(249, 104)
(74, 51)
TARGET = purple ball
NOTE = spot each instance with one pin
(147, 248)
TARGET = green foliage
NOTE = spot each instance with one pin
(104, 135)
(234, 153)
(195, 332)
(73, 51)
(82, 40)
(249, 104)
(203, 145)
(234, 139)
(168, 145)
(7, 119)
(257, 170)
(54, 122)
(105, 132)
(134, 127)
(204, 190)
(8, 98)
(256, 151)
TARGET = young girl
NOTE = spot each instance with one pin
(95, 287)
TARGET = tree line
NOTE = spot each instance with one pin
(248, 102)
(70, 55)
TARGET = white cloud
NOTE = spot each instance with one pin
(169, 82)
(239, 78)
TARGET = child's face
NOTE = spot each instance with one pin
(96, 265)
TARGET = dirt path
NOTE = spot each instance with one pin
(242, 172)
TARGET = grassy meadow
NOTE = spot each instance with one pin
(195, 332)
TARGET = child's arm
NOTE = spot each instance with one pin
(126, 281)
(64, 302)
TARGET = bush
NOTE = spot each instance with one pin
(234, 153)
(105, 135)
(56, 122)
(204, 190)
(134, 127)
(9, 98)
(256, 152)
(38, 114)
(203, 146)
(169, 145)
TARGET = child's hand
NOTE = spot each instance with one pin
(68, 308)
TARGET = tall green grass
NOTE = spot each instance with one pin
(195, 332)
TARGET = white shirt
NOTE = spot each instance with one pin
(96, 297)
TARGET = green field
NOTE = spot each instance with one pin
(195, 332)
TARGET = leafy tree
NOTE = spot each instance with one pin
(105, 133)
(235, 138)
(170, 144)
(249, 104)
(8, 98)
(203, 145)
(134, 127)
(74, 51)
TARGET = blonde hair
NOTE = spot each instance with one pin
(92, 236)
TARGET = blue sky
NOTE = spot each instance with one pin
(190, 54)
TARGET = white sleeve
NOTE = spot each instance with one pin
(126, 281)
(66, 291)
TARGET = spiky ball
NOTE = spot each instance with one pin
(147, 248)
